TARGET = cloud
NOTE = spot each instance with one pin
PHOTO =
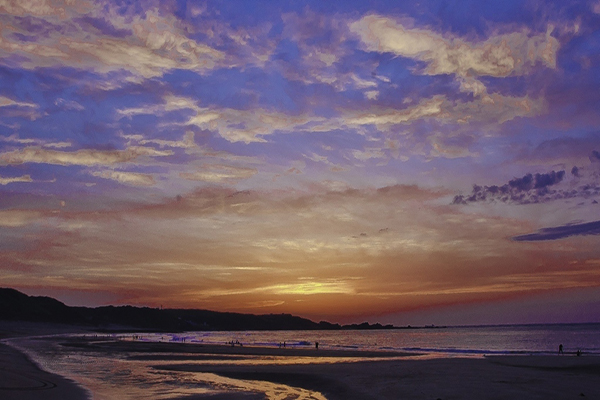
(498, 56)
(24, 178)
(562, 150)
(489, 110)
(169, 103)
(451, 147)
(372, 94)
(18, 218)
(41, 8)
(85, 157)
(7, 102)
(14, 138)
(219, 174)
(187, 141)
(232, 124)
(322, 45)
(68, 104)
(128, 178)
(525, 190)
(501, 55)
(367, 154)
(219, 247)
(561, 232)
(152, 43)
(253, 125)
(384, 118)
(575, 171)
(12, 108)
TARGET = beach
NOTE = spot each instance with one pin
(253, 372)
(512, 377)
(21, 379)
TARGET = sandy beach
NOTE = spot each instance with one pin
(518, 377)
(335, 374)
(22, 379)
(381, 375)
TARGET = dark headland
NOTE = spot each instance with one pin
(17, 306)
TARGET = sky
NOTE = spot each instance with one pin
(428, 162)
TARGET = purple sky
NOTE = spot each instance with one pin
(401, 162)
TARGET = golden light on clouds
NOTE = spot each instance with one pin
(363, 159)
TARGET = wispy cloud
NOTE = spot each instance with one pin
(7, 102)
(16, 218)
(128, 178)
(155, 43)
(86, 157)
(219, 173)
(24, 178)
(18, 109)
(15, 138)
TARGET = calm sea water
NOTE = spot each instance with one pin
(453, 341)
(116, 376)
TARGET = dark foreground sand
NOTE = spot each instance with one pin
(20, 379)
(490, 378)
(388, 377)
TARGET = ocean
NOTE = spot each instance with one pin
(444, 341)
(118, 375)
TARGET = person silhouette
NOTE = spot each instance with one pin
(560, 349)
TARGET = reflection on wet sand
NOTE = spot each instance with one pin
(119, 369)
(113, 368)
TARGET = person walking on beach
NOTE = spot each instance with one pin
(317, 345)
(560, 349)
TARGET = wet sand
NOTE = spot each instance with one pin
(377, 375)
(519, 377)
(202, 351)
(382, 375)
(21, 379)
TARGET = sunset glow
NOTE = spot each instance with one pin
(396, 162)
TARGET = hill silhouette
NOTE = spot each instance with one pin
(17, 306)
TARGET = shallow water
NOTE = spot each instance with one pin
(115, 375)
(123, 375)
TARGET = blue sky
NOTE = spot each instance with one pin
(375, 160)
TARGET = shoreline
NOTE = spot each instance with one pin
(357, 375)
(141, 346)
(23, 379)
(336, 374)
